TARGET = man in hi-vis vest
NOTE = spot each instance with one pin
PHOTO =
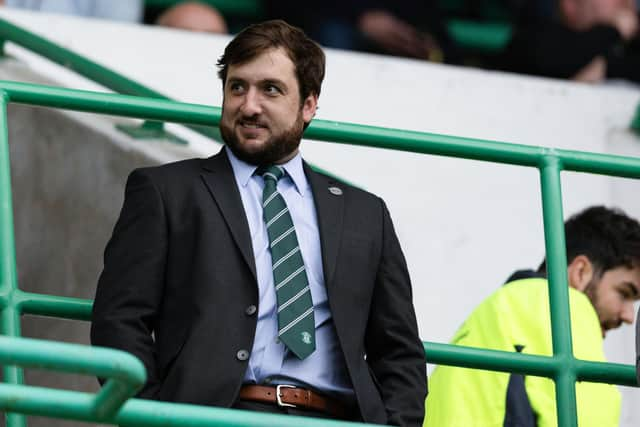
(603, 255)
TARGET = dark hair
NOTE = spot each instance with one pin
(306, 55)
(607, 236)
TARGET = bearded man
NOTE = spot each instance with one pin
(248, 280)
(603, 273)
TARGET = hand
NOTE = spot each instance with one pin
(594, 72)
(626, 22)
(394, 35)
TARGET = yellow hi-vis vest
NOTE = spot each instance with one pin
(518, 314)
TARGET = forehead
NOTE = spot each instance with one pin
(272, 64)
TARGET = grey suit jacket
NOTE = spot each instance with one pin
(179, 275)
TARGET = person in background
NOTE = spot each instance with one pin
(603, 254)
(401, 27)
(186, 15)
(588, 41)
(117, 10)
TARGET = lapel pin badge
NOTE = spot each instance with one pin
(335, 191)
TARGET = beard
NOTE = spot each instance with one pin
(274, 149)
(591, 291)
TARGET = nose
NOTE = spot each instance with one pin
(627, 314)
(251, 104)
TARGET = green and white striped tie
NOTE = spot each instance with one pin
(296, 326)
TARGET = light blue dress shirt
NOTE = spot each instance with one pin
(270, 362)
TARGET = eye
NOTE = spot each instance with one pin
(625, 294)
(235, 87)
(271, 89)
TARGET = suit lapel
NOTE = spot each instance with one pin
(221, 183)
(329, 201)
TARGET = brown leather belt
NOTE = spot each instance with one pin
(293, 397)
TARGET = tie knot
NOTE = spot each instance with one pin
(273, 173)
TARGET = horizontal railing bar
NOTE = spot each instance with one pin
(528, 364)
(471, 148)
(424, 142)
(31, 400)
(73, 61)
(349, 133)
(494, 360)
(577, 161)
(606, 372)
(85, 67)
(145, 413)
(111, 104)
(69, 357)
(54, 306)
(139, 412)
(124, 373)
(46, 402)
(80, 309)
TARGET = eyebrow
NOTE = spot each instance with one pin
(235, 80)
(276, 82)
(273, 81)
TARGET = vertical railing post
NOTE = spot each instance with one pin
(556, 258)
(10, 314)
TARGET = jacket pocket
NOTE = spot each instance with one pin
(168, 354)
(378, 411)
(375, 380)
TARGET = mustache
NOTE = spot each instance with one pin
(252, 120)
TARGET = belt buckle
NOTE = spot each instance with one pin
(279, 395)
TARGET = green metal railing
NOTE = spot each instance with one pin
(562, 367)
(635, 123)
(91, 70)
(487, 37)
(125, 373)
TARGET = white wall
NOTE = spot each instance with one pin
(464, 225)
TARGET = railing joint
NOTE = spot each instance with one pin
(550, 158)
(11, 298)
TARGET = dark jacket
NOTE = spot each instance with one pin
(180, 266)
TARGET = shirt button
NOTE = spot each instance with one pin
(251, 310)
(242, 355)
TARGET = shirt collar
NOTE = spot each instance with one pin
(243, 171)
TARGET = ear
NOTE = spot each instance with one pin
(309, 107)
(580, 272)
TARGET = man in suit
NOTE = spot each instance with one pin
(248, 280)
